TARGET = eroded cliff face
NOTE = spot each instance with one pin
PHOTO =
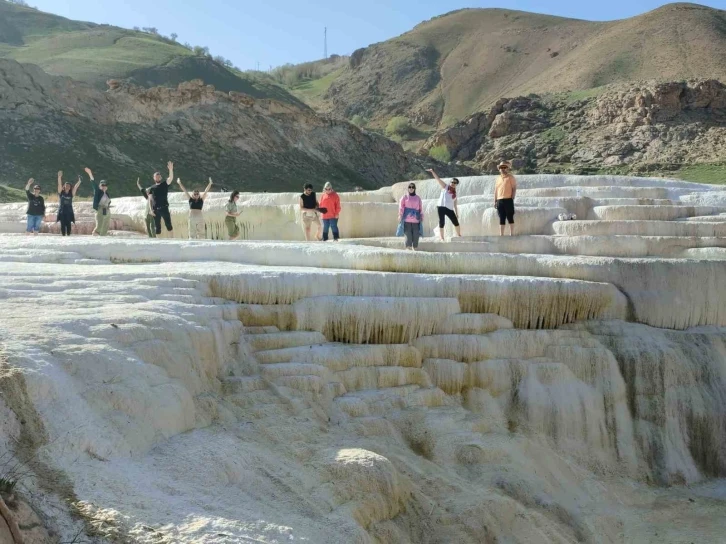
(652, 127)
(52, 123)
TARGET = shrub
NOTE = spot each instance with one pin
(359, 121)
(440, 153)
(398, 126)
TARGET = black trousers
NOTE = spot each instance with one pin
(65, 226)
(159, 214)
(445, 212)
(505, 209)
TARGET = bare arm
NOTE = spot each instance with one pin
(300, 204)
(209, 186)
(514, 187)
(77, 185)
(170, 166)
(151, 204)
(30, 182)
(437, 178)
(178, 180)
(60, 181)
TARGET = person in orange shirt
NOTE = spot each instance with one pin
(330, 201)
(505, 190)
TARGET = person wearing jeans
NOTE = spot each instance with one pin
(36, 208)
(410, 215)
(330, 202)
(160, 192)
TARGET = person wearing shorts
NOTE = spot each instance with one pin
(447, 206)
(505, 190)
(308, 204)
(36, 208)
(230, 219)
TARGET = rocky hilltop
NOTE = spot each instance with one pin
(52, 123)
(653, 127)
(452, 66)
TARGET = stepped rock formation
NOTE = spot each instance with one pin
(52, 123)
(568, 385)
(652, 127)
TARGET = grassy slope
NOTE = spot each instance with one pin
(95, 53)
(11, 194)
(485, 54)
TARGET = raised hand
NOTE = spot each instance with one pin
(88, 171)
(138, 183)
(178, 180)
(30, 182)
(170, 166)
(210, 181)
(60, 174)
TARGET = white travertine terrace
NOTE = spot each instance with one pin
(550, 387)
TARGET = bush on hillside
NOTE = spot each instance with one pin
(359, 121)
(440, 153)
(399, 126)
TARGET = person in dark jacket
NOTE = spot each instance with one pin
(36, 208)
(308, 204)
(102, 205)
(66, 192)
(160, 190)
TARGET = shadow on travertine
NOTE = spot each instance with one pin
(481, 390)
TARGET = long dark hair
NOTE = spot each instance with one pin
(234, 194)
(414, 189)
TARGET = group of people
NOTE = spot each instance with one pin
(410, 209)
(411, 212)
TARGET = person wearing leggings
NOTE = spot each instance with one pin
(505, 189)
(447, 206)
(66, 192)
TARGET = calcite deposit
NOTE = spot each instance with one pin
(564, 385)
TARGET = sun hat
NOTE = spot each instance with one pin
(103, 182)
(504, 163)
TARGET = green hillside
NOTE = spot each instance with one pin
(95, 53)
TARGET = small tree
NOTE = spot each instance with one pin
(440, 153)
(399, 126)
(174, 36)
(188, 46)
(137, 29)
(201, 51)
(19, 3)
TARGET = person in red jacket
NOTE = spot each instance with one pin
(330, 201)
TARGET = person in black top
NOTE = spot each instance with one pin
(66, 192)
(308, 204)
(36, 208)
(160, 191)
(196, 202)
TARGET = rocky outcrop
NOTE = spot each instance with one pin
(651, 127)
(52, 123)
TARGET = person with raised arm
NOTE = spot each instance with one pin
(447, 206)
(36, 208)
(102, 205)
(231, 215)
(160, 191)
(196, 202)
(149, 219)
(505, 189)
(66, 192)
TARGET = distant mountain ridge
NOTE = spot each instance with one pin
(454, 65)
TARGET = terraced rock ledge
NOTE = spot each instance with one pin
(564, 385)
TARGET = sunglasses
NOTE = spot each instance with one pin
(411, 187)
(454, 183)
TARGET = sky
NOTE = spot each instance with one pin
(269, 33)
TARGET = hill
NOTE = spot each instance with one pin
(674, 128)
(454, 65)
(129, 132)
(95, 53)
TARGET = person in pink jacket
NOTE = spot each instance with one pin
(411, 215)
(330, 201)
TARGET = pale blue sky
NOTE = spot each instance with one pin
(273, 32)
